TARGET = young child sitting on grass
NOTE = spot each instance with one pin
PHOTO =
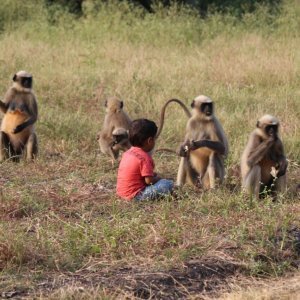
(136, 178)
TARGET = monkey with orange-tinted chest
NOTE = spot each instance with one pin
(17, 135)
(205, 145)
(204, 148)
(263, 163)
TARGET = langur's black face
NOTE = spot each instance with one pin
(272, 130)
(207, 108)
(26, 82)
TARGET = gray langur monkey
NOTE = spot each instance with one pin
(20, 110)
(204, 148)
(113, 136)
(263, 163)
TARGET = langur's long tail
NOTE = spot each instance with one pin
(163, 110)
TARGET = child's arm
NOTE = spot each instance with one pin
(151, 179)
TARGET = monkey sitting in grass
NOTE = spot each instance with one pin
(17, 134)
(113, 136)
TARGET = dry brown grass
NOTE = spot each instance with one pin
(287, 288)
(60, 215)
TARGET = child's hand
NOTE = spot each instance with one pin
(152, 179)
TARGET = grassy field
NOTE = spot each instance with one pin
(63, 232)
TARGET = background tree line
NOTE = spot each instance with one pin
(237, 7)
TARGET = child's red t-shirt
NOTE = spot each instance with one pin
(134, 166)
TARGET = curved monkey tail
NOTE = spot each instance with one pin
(166, 150)
(163, 110)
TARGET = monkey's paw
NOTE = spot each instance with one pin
(17, 129)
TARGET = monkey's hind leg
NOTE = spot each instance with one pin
(5, 148)
(251, 182)
(215, 172)
(220, 169)
(181, 174)
(279, 185)
(31, 150)
(211, 170)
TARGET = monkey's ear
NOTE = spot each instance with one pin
(15, 77)
(193, 104)
(121, 104)
(105, 103)
(257, 124)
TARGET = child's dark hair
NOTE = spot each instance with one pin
(140, 130)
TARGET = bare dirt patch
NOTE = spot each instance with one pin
(196, 277)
